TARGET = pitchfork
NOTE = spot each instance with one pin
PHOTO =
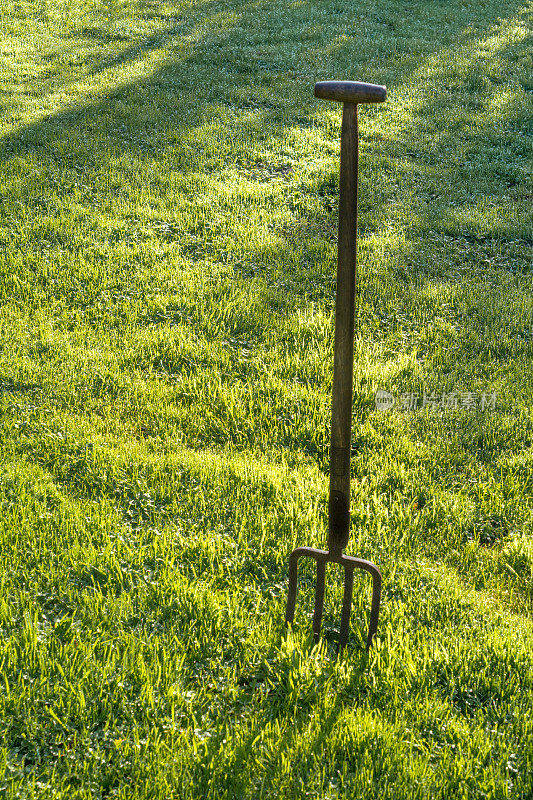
(350, 93)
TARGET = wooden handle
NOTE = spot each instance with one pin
(341, 411)
(351, 92)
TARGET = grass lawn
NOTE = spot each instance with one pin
(168, 215)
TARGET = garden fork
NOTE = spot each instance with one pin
(350, 93)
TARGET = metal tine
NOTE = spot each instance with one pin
(319, 597)
(346, 608)
(293, 586)
(374, 613)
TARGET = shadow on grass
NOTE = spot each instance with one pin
(216, 71)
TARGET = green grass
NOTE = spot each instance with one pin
(167, 273)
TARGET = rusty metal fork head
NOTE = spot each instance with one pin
(323, 557)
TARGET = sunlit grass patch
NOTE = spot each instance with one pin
(167, 273)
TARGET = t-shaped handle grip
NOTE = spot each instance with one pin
(351, 91)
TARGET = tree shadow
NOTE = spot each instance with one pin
(243, 82)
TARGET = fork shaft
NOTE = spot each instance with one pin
(341, 411)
